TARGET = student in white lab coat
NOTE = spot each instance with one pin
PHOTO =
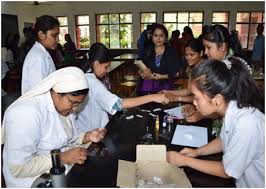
(228, 90)
(38, 63)
(100, 102)
(40, 121)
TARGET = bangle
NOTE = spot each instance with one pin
(179, 98)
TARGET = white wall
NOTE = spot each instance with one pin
(27, 12)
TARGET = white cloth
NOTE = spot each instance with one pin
(32, 127)
(243, 135)
(38, 64)
(93, 113)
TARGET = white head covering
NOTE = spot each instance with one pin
(64, 80)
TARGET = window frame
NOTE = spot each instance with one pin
(228, 22)
(249, 23)
(77, 25)
(62, 26)
(119, 23)
(147, 22)
(188, 22)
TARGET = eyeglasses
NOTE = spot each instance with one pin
(73, 103)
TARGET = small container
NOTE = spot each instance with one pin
(164, 121)
(169, 122)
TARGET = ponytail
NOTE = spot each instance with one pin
(230, 79)
(247, 92)
(98, 52)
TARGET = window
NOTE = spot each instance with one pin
(178, 20)
(114, 30)
(82, 31)
(146, 19)
(63, 29)
(221, 18)
(246, 25)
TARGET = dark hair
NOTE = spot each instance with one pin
(68, 37)
(98, 51)
(45, 23)
(214, 77)
(187, 30)
(261, 25)
(160, 26)
(175, 34)
(196, 45)
(219, 34)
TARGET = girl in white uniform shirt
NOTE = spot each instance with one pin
(39, 122)
(100, 102)
(219, 45)
(38, 63)
(229, 91)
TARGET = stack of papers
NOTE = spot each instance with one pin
(187, 135)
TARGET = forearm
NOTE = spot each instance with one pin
(181, 92)
(161, 76)
(36, 166)
(215, 168)
(188, 99)
(137, 101)
(213, 147)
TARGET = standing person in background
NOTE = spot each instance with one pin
(144, 41)
(234, 34)
(162, 62)
(174, 39)
(258, 51)
(228, 90)
(219, 45)
(12, 41)
(25, 47)
(100, 102)
(38, 63)
(69, 50)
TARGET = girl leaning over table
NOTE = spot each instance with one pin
(228, 90)
(219, 45)
(101, 102)
(40, 121)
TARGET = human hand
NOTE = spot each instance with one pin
(95, 135)
(171, 97)
(176, 158)
(195, 117)
(160, 98)
(163, 92)
(190, 152)
(188, 110)
(75, 155)
(156, 76)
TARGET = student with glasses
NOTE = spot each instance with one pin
(42, 120)
(38, 63)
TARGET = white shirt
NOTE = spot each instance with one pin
(243, 135)
(38, 64)
(93, 113)
(30, 136)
